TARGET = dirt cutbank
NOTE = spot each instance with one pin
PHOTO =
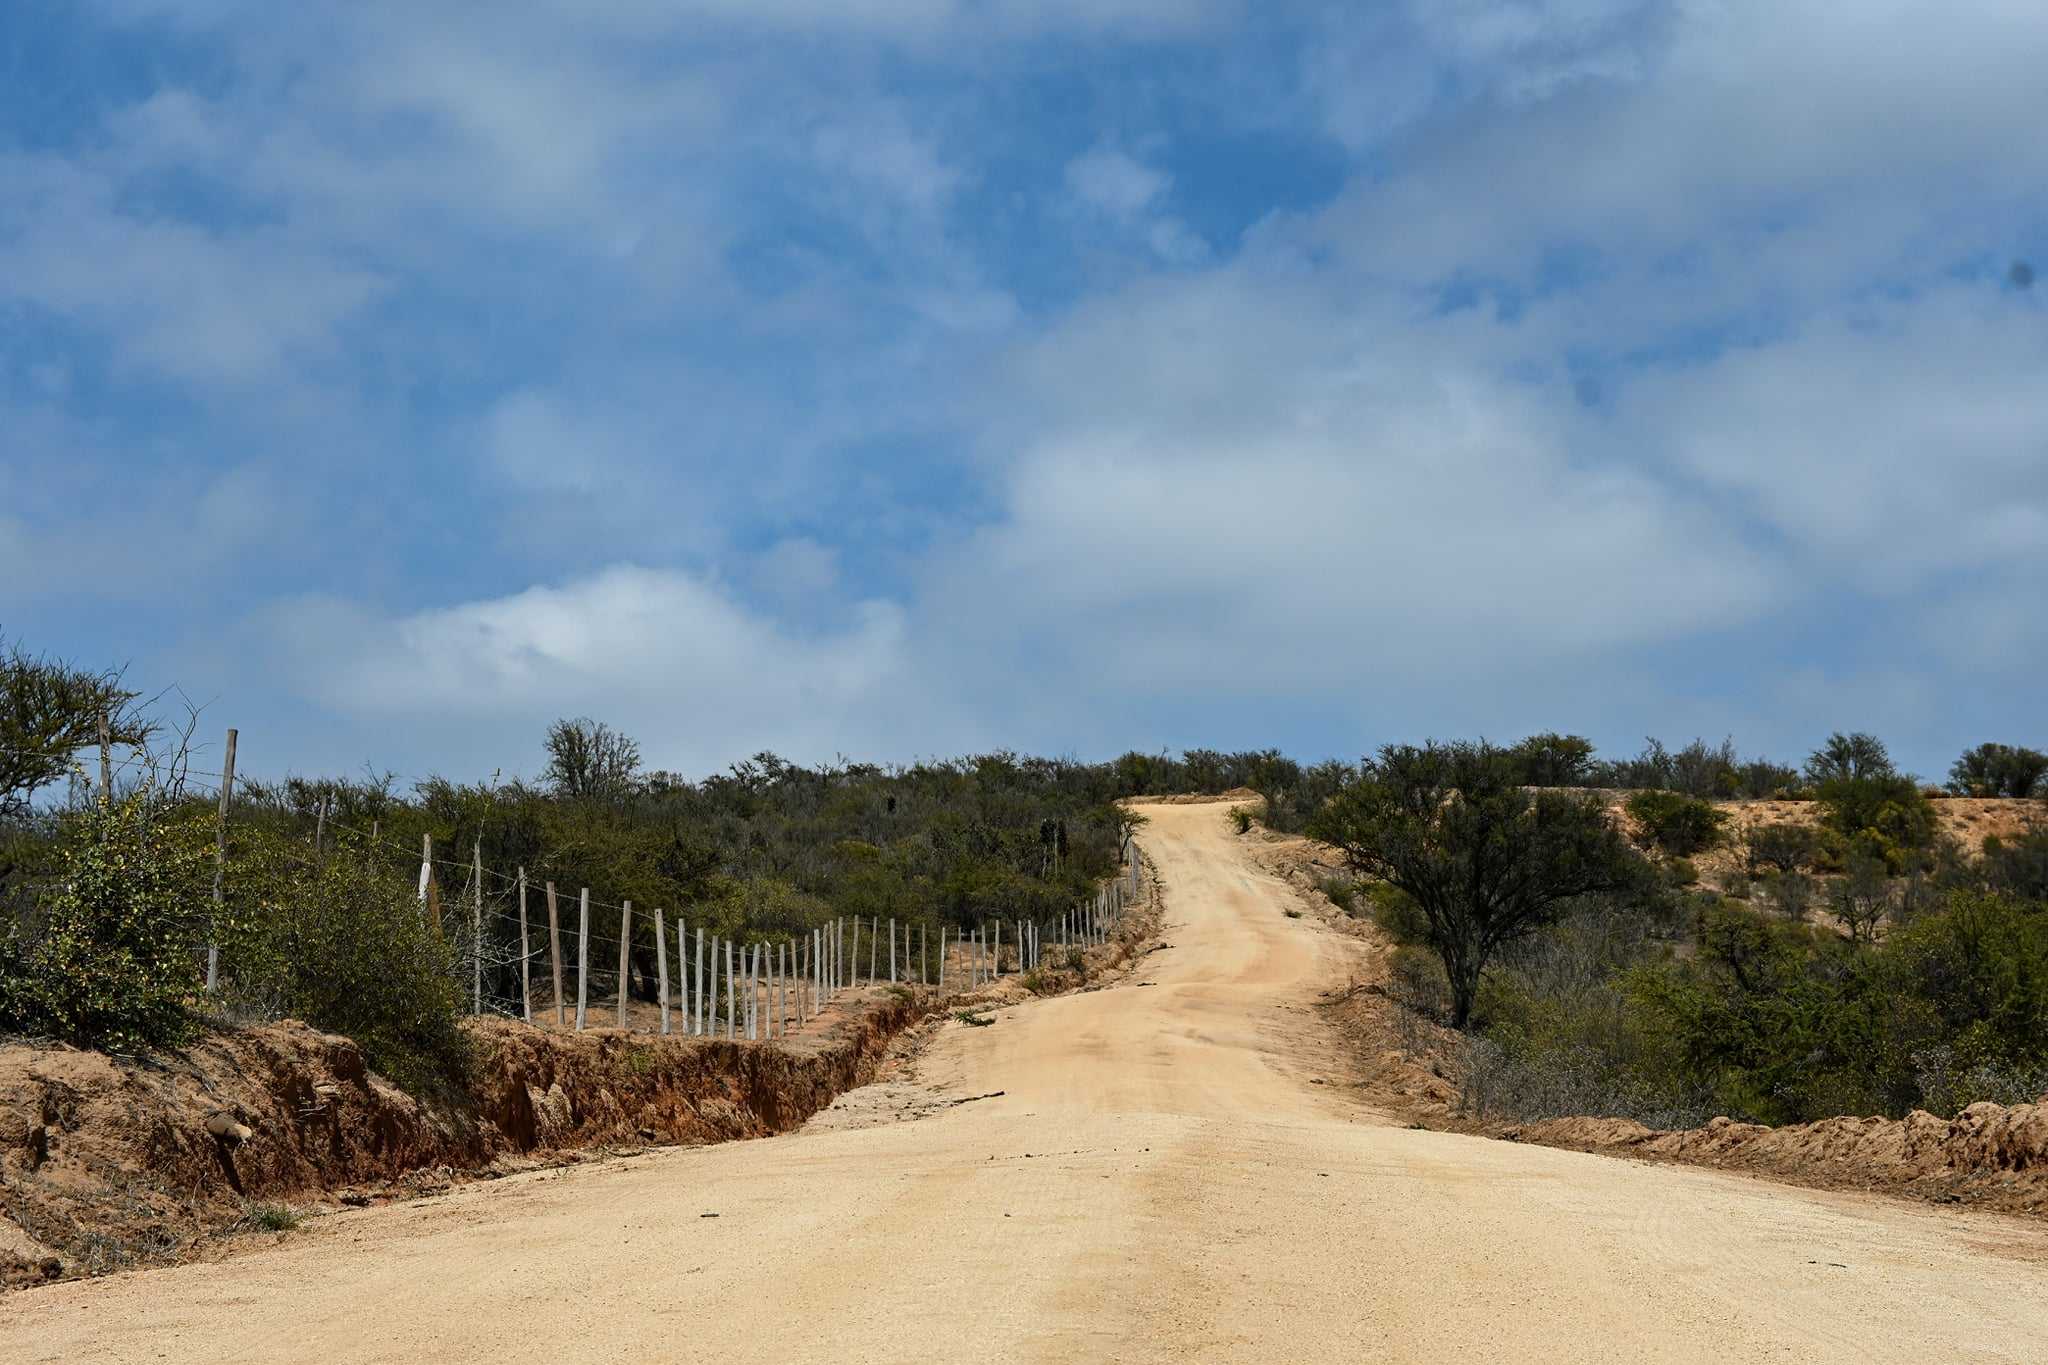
(108, 1162)
(1989, 1155)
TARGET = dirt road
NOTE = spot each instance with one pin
(1163, 1179)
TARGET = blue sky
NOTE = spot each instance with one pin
(899, 379)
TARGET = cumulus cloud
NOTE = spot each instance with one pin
(672, 658)
(1648, 364)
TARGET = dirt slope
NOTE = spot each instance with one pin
(1176, 1170)
(107, 1163)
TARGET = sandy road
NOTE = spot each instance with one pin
(1162, 1180)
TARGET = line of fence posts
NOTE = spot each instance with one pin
(825, 966)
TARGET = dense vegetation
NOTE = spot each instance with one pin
(1924, 984)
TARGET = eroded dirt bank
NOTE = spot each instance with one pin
(109, 1162)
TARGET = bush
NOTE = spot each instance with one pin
(2018, 867)
(1785, 847)
(1679, 825)
(1242, 818)
(110, 958)
(1342, 892)
(346, 948)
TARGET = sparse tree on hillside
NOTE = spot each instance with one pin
(49, 711)
(1851, 758)
(1486, 860)
(1998, 770)
(590, 761)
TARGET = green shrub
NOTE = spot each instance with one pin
(272, 1217)
(2018, 867)
(1785, 847)
(1679, 825)
(1342, 892)
(346, 948)
(1242, 818)
(110, 958)
(1395, 911)
(1682, 872)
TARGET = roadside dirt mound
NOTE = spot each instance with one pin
(1235, 796)
(110, 1162)
(1989, 1154)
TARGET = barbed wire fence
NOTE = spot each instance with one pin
(757, 989)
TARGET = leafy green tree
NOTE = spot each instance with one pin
(109, 959)
(1998, 770)
(1486, 860)
(49, 710)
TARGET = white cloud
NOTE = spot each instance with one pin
(671, 658)
(1889, 444)
(1114, 183)
(1112, 186)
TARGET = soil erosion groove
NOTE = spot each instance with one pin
(1171, 1172)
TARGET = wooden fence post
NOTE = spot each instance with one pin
(711, 1023)
(583, 959)
(555, 954)
(525, 956)
(661, 965)
(874, 951)
(942, 956)
(476, 927)
(892, 950)
(625, 949)
(731, 994)
(699, 1029)
(220, 866)
(924, 943)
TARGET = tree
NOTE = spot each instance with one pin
(590, 761)
(1553, 760)
(1485, 859)
(50, 710)
(1848, 758)
(1788, 848)
(1998, 770)
(1871, 804)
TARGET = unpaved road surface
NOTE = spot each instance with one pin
(1163, 1179)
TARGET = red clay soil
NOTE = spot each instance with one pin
(1988, 1155)
(107, 1162)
